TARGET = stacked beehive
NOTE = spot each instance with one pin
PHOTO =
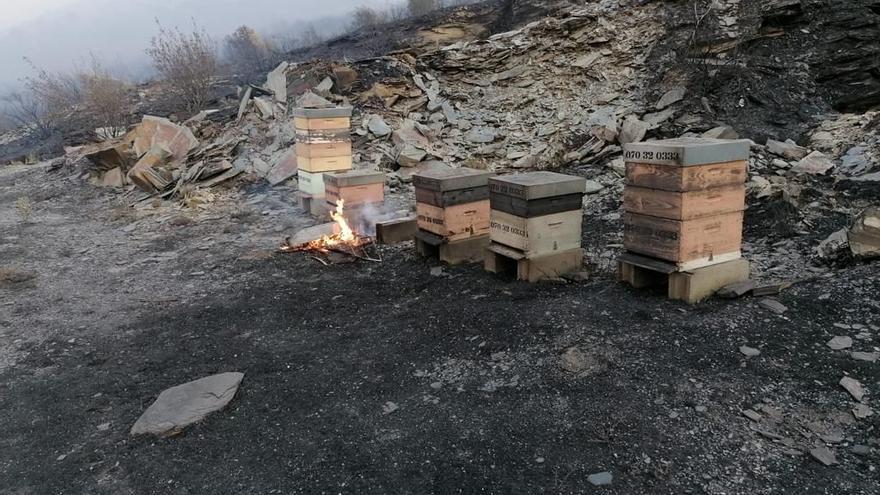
(536, 222)
(323, 144)
(357, 188)
(684, 201)
(452, 207)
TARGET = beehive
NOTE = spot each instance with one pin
(684, 200)
(356, 187)
(537, 213)
(323, 144)
(452, 208)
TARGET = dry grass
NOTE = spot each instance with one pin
(24, 208)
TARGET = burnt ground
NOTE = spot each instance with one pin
(118, 313)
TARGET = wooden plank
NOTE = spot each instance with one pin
(322, 124)
(537, 236)
(323, 150)
(682, 179)
(536, 207)
(396, 231)
(470, 250)
(452, 198)
(455, 222)
(684, 205)
(683, 241)
(324, 164)
(355, 195)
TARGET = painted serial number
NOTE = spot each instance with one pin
(652, 155)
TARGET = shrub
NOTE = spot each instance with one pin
(187, 62)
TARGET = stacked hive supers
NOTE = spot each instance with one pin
(536, 222)
(684, 201)
(452, 207)
(323, 144)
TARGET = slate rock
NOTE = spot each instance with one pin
(824, 455)
(773, 305)
(481, 135)
(377, 125)
(749, 351)
(600, 479)
(671, 97)
(180, 406)
(788, 149)
(870, 357)
(633, 130)
(840, 342)
(815, 163)
(854, 388)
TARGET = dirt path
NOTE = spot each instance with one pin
(470, 364)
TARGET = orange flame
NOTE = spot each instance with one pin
(345, 232)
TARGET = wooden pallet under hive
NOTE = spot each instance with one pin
(690, 286)
(502, 259)
(469, 250)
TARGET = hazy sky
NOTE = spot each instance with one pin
(57, 34)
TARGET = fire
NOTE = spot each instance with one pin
(345, 240)
(345, 233)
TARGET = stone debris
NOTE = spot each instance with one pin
(752, 414)
(854, 387)
(840, 342)
(573, 360)
(773, 305)
(788, 150)
(180, 406)
(815, 163)
(749, 351)
(600, 479)
(864, 235)
(389, 407)
(862, 411)
(824, 455)
(871, 357)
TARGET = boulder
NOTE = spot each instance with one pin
(377, 125)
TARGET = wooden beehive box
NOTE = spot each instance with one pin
(311, 183)
(684, 200)
(537, 213)
(453, 203)
(355, 187)
(323, 139)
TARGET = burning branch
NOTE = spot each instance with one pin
(344, 240)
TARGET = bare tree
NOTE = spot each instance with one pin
(106, 99)
(365, 17)
(22, 109)
(421, 7)
(310, 36)
(187, 62)
(54, 95)
(247, 52)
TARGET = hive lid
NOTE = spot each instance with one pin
(537, 185)
(451, 179)
(354, 178)
(322, 113)
(685, 152)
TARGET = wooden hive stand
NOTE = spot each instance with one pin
(690, 286)
(471, 250)
(501, 259)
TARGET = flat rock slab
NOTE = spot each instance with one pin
(840, 342)
(180, 406)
